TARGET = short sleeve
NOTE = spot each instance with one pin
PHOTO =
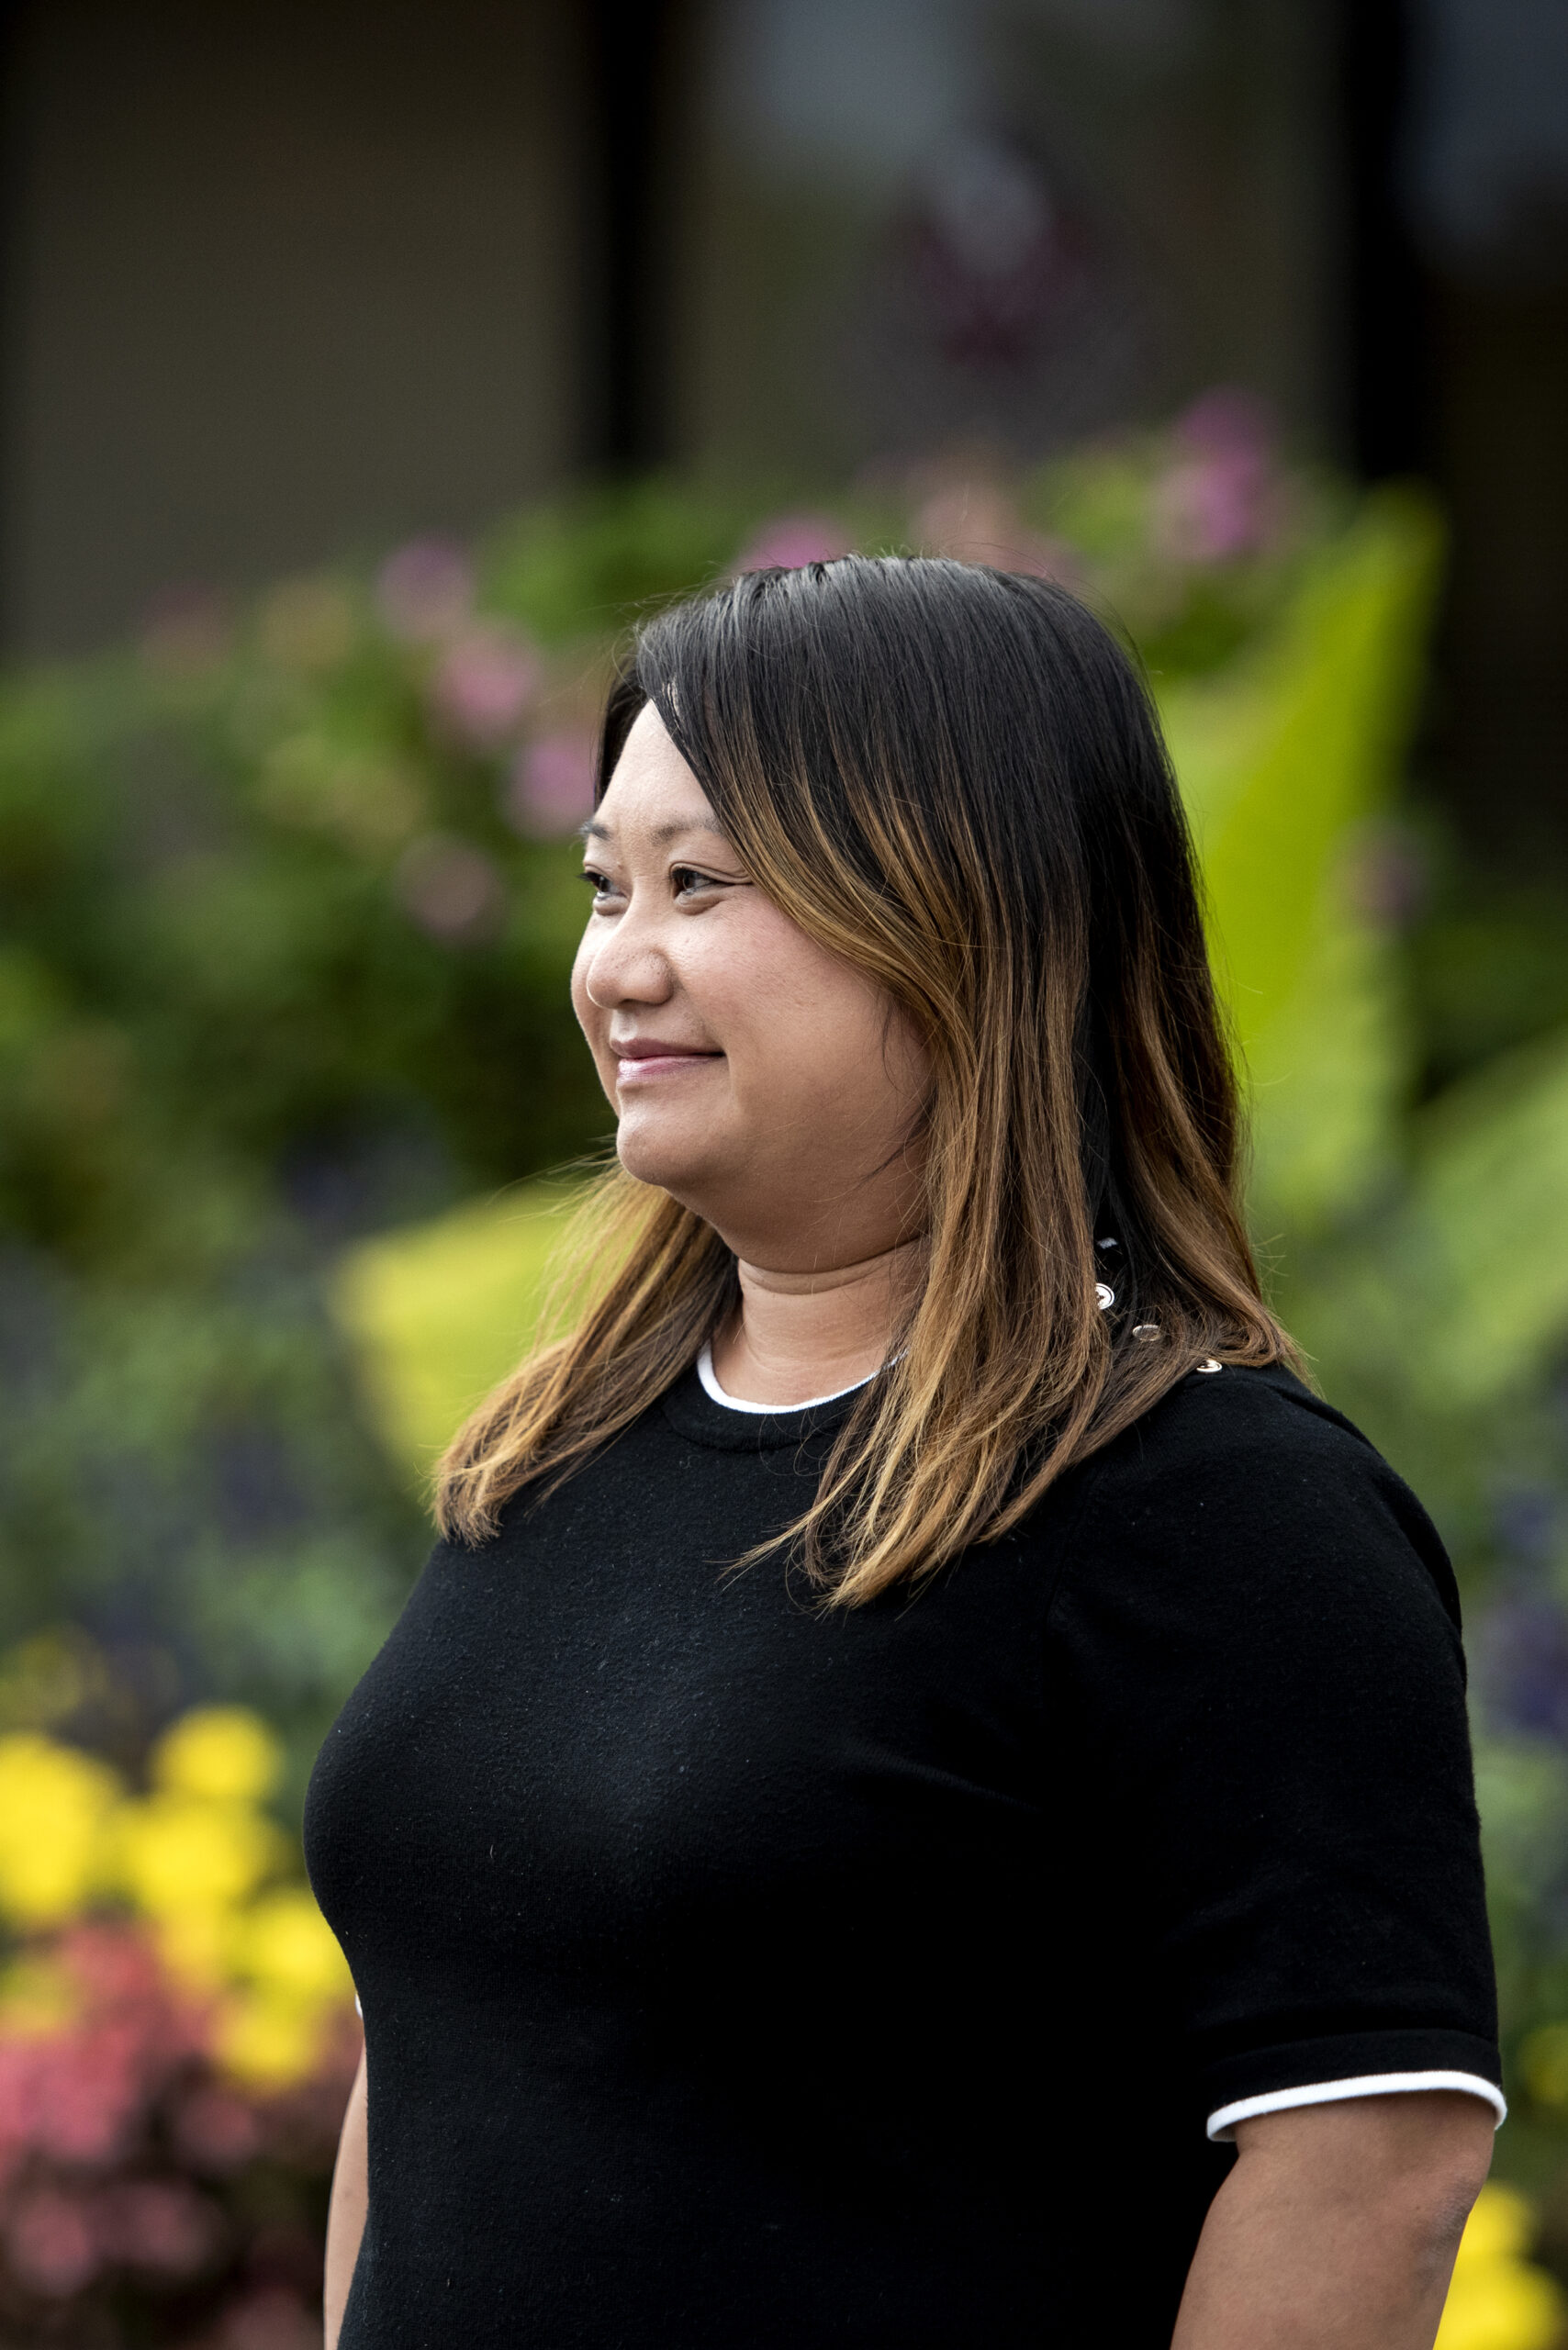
(1254, 1648)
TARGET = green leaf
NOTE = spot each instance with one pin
(1282, 762)
(1486, 1232)
(440, 1313)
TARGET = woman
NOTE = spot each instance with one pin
(923, 1801)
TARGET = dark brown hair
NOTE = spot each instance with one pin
(953, 778)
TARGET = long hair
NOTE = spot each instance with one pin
(952, 778)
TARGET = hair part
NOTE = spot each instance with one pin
(953, 778)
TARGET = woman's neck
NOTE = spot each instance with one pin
(801, 1335)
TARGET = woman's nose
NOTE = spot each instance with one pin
(628, 966)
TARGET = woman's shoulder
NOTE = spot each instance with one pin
(1240, 1416)
(1243, 1476)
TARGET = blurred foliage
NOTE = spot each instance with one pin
(1288, 763)
(285, 911)
(289, 1089)
(176, 2029)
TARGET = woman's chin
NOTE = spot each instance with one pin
(655, 1151)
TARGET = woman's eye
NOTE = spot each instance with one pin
(686, 882)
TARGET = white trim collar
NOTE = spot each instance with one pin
(716, 1394)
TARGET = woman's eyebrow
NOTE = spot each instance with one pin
(595, 831)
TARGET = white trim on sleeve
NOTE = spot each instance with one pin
(1221, 2125)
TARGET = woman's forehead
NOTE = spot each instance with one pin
(651, 788)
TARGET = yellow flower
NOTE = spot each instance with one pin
(286, 1947)
(179, 1855)
(1500, 2228)
(54, 1804)
(1497, 2299)
(197, 1946)
(267, 2043)
(221, 1753)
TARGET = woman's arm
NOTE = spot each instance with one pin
(1337, 2228)
(345, 2217)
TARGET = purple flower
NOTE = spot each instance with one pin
(550, 789)
(791, 540)
(1521, 1662)
(484, 683)
(1525, 1519)
(425, 590)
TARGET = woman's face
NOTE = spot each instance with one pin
(757, 1078)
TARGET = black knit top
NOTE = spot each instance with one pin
(739, 1974)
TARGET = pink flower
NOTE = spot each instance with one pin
(1226, 422)
(78, 2095)
(1222, 497)
(1212, 509)
(116, 1966)
(483, 685)
(51, 2243)
(92, 2096)
(21, 2067)
(72, 2097)
(425, 590)
(790, 542)
(550, 789)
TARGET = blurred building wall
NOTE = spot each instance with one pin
(1482, 169)
(912, 221)
(282, 280)
(280, 277)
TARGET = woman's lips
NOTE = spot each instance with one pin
(643, 1066)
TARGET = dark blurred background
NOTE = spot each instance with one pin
(281, 280)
